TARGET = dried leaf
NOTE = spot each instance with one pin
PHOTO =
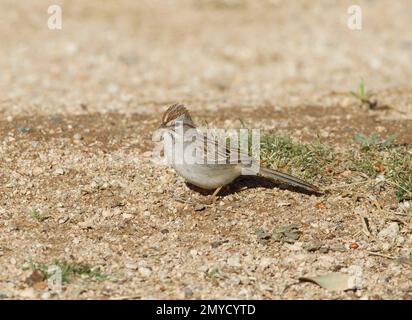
(338, 248)
(289, 234)
(263, 236)
(312, 246)
(334, 281)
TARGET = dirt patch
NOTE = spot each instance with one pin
(106, 205)
(78, 188)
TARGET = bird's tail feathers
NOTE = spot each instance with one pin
(288, 179)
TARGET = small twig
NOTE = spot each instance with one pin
(395, 219)
(378, 206)
(356, 234)
(399, 186)
(203, 204)
(397, 110)
(365, 226)
(381, 255)
(401, 214)
(343, 185)
(226, 209)
(132, 297)
(191, 202)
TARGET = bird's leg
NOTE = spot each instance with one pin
(213, 197)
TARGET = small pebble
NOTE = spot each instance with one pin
(145, 272)
(63, 220)
(390, 232)
(234, 261)
(200, 207)
(78, 137)
(131, 266)
(24, 129)
(37, 171)
(58, 172)
(188, 292)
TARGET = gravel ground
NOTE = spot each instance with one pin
(77, 109)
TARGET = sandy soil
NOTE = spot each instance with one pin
(77, 111)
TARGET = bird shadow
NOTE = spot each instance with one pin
(251, 182)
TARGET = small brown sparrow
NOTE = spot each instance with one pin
(205, 163)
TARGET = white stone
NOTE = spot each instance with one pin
(390, 232)
(58, 171)
(266, 262)
(131, 266)
(145, 272)
(234, 261)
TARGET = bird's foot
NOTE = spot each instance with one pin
(213, 198)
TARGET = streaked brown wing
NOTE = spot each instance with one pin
(213, 151)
